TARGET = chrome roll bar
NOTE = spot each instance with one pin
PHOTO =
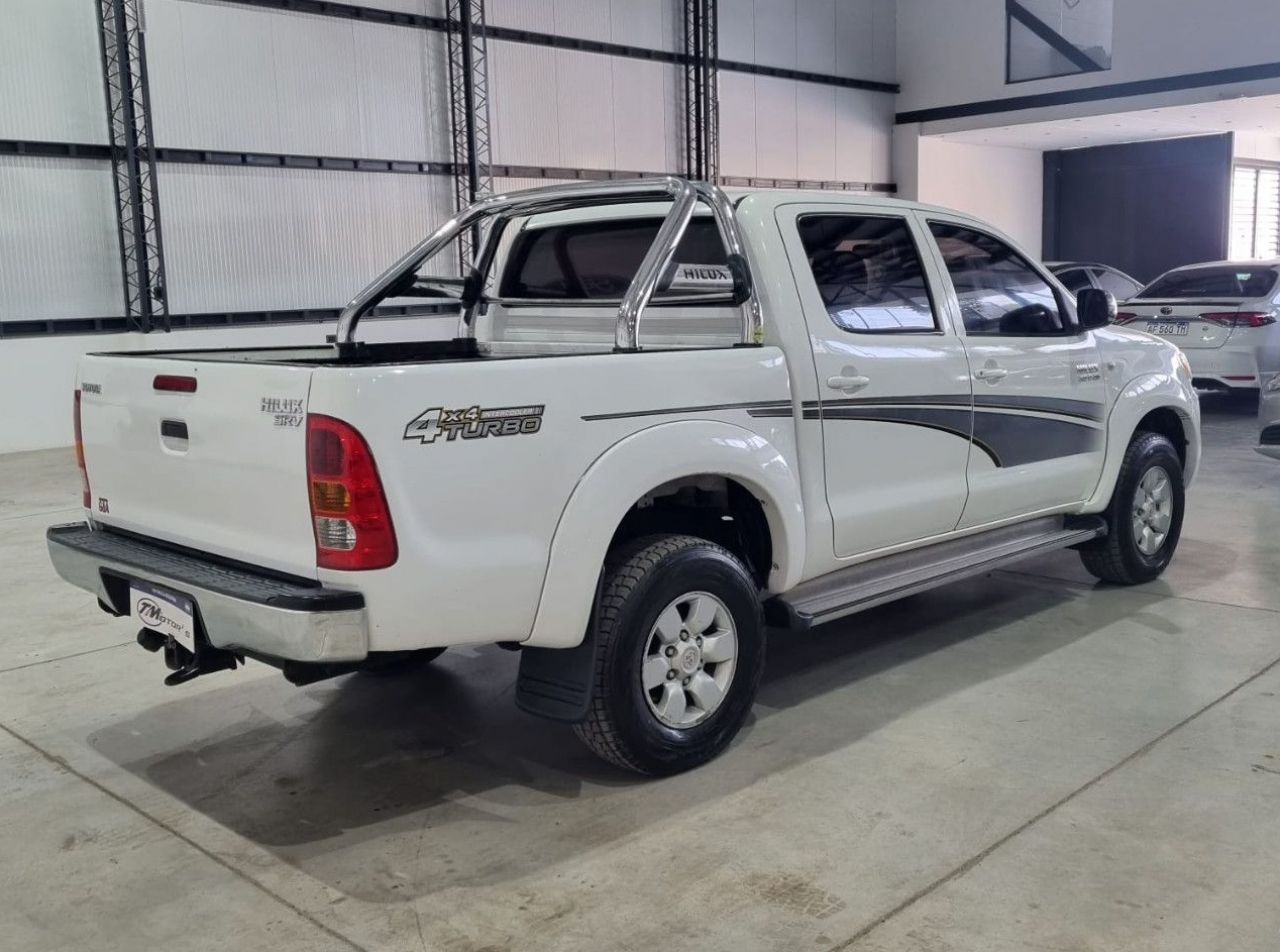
(684, 196)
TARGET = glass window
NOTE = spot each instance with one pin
(1211, 282)
(1074, 279)
(868, 272)
(999, 292)
(1255, 212)
(1120, 285)
(1056, 38)
(598, 259)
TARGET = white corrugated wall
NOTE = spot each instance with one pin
(790, 129)
(59, 254)
(234, 78)
(58, 246)
(653, 24)
(247, 79)
(248, 238)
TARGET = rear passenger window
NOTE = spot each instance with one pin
(868, 272)
(998, 291)
(598, 259)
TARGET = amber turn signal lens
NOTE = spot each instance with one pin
(329, 497)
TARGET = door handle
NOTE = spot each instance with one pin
(847, 383)
(991, 373)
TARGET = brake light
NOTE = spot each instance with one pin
(85, 496)
(1239, 318)
(1125, 317)
(173, 383)
(349, 511)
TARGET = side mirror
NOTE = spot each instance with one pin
(1095, 308)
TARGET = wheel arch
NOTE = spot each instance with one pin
(1157, 402)
(760, 488)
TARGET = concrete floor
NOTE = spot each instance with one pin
(1019, 762)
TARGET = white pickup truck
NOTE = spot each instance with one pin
(840, 400)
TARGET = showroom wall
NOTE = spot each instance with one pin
(237, 86)
(1143, 207)
(1004, 186)
(1151, 39)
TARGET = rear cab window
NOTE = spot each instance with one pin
(596, 260)
(1214, 282)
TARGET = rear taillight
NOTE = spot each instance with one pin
(348, 507)
(1124, 317)
(1239, 318)
(85, 496)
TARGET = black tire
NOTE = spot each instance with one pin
(384, 664)
(1117, 558)
(641, 580)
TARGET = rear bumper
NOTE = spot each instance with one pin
(1224, 367)
(237, 609)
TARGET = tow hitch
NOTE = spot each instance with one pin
(185, 663)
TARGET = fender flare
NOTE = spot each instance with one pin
(1141, 395)
(637, 464)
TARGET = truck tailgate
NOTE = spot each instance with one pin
(221, 469)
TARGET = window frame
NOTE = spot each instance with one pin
(908, 224)
(1069, 311)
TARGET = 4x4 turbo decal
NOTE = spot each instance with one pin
(473, 423)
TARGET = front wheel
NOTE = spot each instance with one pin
(1144, 517)
(679, 652)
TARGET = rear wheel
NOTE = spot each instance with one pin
(1144, 517)
(679, 652)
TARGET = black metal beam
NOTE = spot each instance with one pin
(1140, 87)
(468, 113)
(701, 98)
(124, 70)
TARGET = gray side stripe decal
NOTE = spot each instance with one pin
(1085, 409)
(751, 407)
(1007, 438)
(955, 421)
(1019, 439)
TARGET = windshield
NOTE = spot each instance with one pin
(1218, 281)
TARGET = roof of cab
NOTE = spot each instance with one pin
(759, 199)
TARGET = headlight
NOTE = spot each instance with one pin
(1184, 365)
(1274, 384)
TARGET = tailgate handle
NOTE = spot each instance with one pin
(173, 429)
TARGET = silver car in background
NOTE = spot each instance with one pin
(1222, 315)
(1269, 417)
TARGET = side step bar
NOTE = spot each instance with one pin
(869, 584)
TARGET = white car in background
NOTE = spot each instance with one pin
(1269, 418)
(1222, 315)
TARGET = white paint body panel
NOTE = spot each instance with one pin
(503, 538)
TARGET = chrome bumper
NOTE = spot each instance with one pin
(237, 608)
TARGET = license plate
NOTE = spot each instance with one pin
(1168, 328)
(164, 612)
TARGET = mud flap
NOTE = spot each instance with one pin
(556, 683)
